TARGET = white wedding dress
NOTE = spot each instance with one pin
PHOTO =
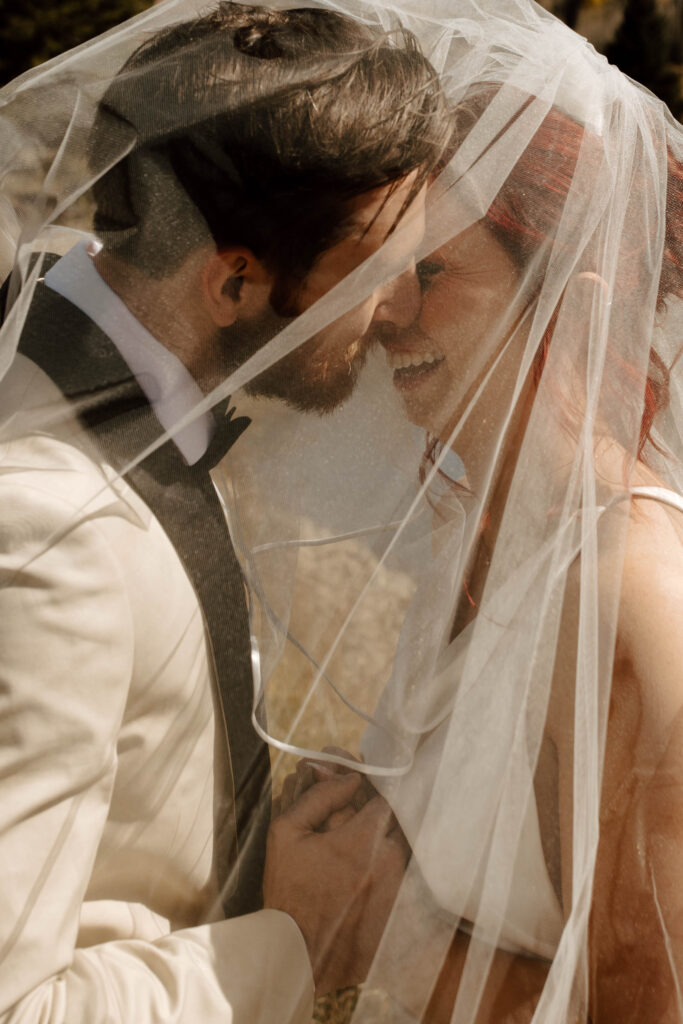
(449, 851)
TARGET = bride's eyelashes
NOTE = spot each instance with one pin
(426, 271)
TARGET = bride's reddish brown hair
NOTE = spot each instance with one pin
(524, 218)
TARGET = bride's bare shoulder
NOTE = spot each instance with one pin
(640, 582)
(652, 576)
(650, 623)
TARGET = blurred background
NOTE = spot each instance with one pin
(642, 37)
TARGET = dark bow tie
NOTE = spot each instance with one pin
(227, 431)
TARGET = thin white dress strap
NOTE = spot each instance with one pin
(661, 494)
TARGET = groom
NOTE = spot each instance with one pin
(134, 784)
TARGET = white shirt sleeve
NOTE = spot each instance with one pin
(66, 654)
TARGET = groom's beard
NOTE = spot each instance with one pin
(318, 376)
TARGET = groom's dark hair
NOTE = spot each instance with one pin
(271, 121)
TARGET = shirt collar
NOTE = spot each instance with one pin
(167, 383)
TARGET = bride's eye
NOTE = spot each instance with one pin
(426, 271)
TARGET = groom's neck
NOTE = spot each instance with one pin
(170, 307)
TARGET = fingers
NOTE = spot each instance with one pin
(366, 792)
(375, 818)
(309, 772)
(397, 835)
(305, 775)
(296, 783)
(340, 752)
(288, 794)
(322, 771)
(323, 799)
(375, 824)
(338, 818)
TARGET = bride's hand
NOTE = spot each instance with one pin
(308, 772)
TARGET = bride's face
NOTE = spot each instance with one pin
(469, 288)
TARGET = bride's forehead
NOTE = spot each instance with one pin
(475, 241)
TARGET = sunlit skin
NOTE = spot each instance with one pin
(322, 373)
(469, 312)
(214, 312)
(378, 219)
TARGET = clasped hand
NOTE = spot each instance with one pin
(335, 860)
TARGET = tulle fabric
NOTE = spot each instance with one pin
(468, 669)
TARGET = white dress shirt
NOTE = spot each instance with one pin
(168, 385)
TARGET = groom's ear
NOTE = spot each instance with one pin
(235, 285)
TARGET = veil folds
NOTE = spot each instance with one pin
(434, 565)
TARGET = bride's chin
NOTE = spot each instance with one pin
(428, 403)
(418, 417)
(426, 416)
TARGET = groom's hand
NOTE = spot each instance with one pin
(340, 885)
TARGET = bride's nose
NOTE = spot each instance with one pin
(399, 300)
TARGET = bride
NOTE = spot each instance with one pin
(530, 738)
(461, 374)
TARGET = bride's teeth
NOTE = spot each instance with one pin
(403, 360)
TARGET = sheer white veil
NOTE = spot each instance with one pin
(434, 566)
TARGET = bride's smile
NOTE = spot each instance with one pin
(469, 287)
(413, 368)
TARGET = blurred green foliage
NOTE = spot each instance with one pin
(32, 31)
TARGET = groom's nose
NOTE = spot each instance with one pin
(399, 300)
